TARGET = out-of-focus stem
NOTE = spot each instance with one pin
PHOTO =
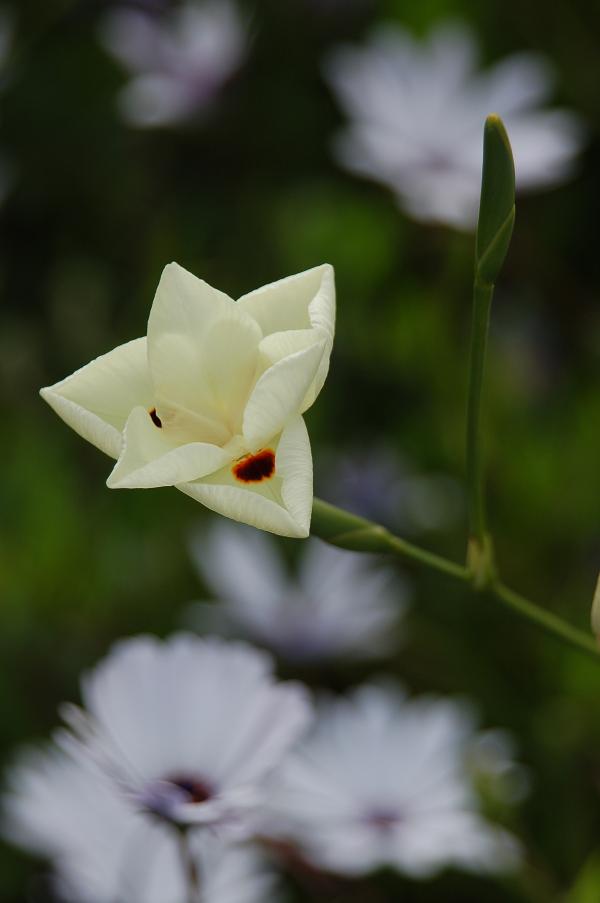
(482, 302)
(189, 866)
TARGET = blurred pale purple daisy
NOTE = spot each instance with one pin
(103, 849)
(178, 60)
(384, 780)
(337, 605)
(188, 729)
(416, 113)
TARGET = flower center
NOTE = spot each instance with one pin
(255, 468)
(383, 820)
(197, 790)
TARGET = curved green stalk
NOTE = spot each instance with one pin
(348, 531)
(547, 620)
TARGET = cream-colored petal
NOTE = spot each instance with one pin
(294, 466)
(278, 345)
(150, 458)
(183, 425)
(280, 505)
(303, 301)
(278, 395)
(229, 365)
(96, 400)
(202, 348)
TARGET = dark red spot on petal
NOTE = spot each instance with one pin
(197, 790)
(255, 468)
(155, 418)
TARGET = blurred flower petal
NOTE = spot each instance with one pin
(179, 59)
(383, 781)
(340, 604)
(416, 118)
(104, 849)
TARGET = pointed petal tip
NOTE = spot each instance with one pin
(169, 270)
(50, 392)
(117, 481)
(327, 268)
(113, 481)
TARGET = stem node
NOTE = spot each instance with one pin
(480, 562)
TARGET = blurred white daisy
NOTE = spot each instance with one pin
(417, 112)
(384, 781)
(337, 605)
(187, 729)
(103, 850)
(178, 60)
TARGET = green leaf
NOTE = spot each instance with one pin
(497, 204)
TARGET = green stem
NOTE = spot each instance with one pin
(348, 531)
(548, 621)
(429, 559)
(340, 528)
(189, 866)
(482, 301)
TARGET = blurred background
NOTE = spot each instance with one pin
(242, 189)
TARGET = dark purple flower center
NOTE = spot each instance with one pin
(197, 790)
(383, 820)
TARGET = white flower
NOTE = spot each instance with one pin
(211, 401)
(338, 605)
(417, 112)
(383, 781)
(187, 730)
(179, 60)
(105, 851)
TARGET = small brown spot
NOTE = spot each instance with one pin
(255, 468)
(155, 418)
